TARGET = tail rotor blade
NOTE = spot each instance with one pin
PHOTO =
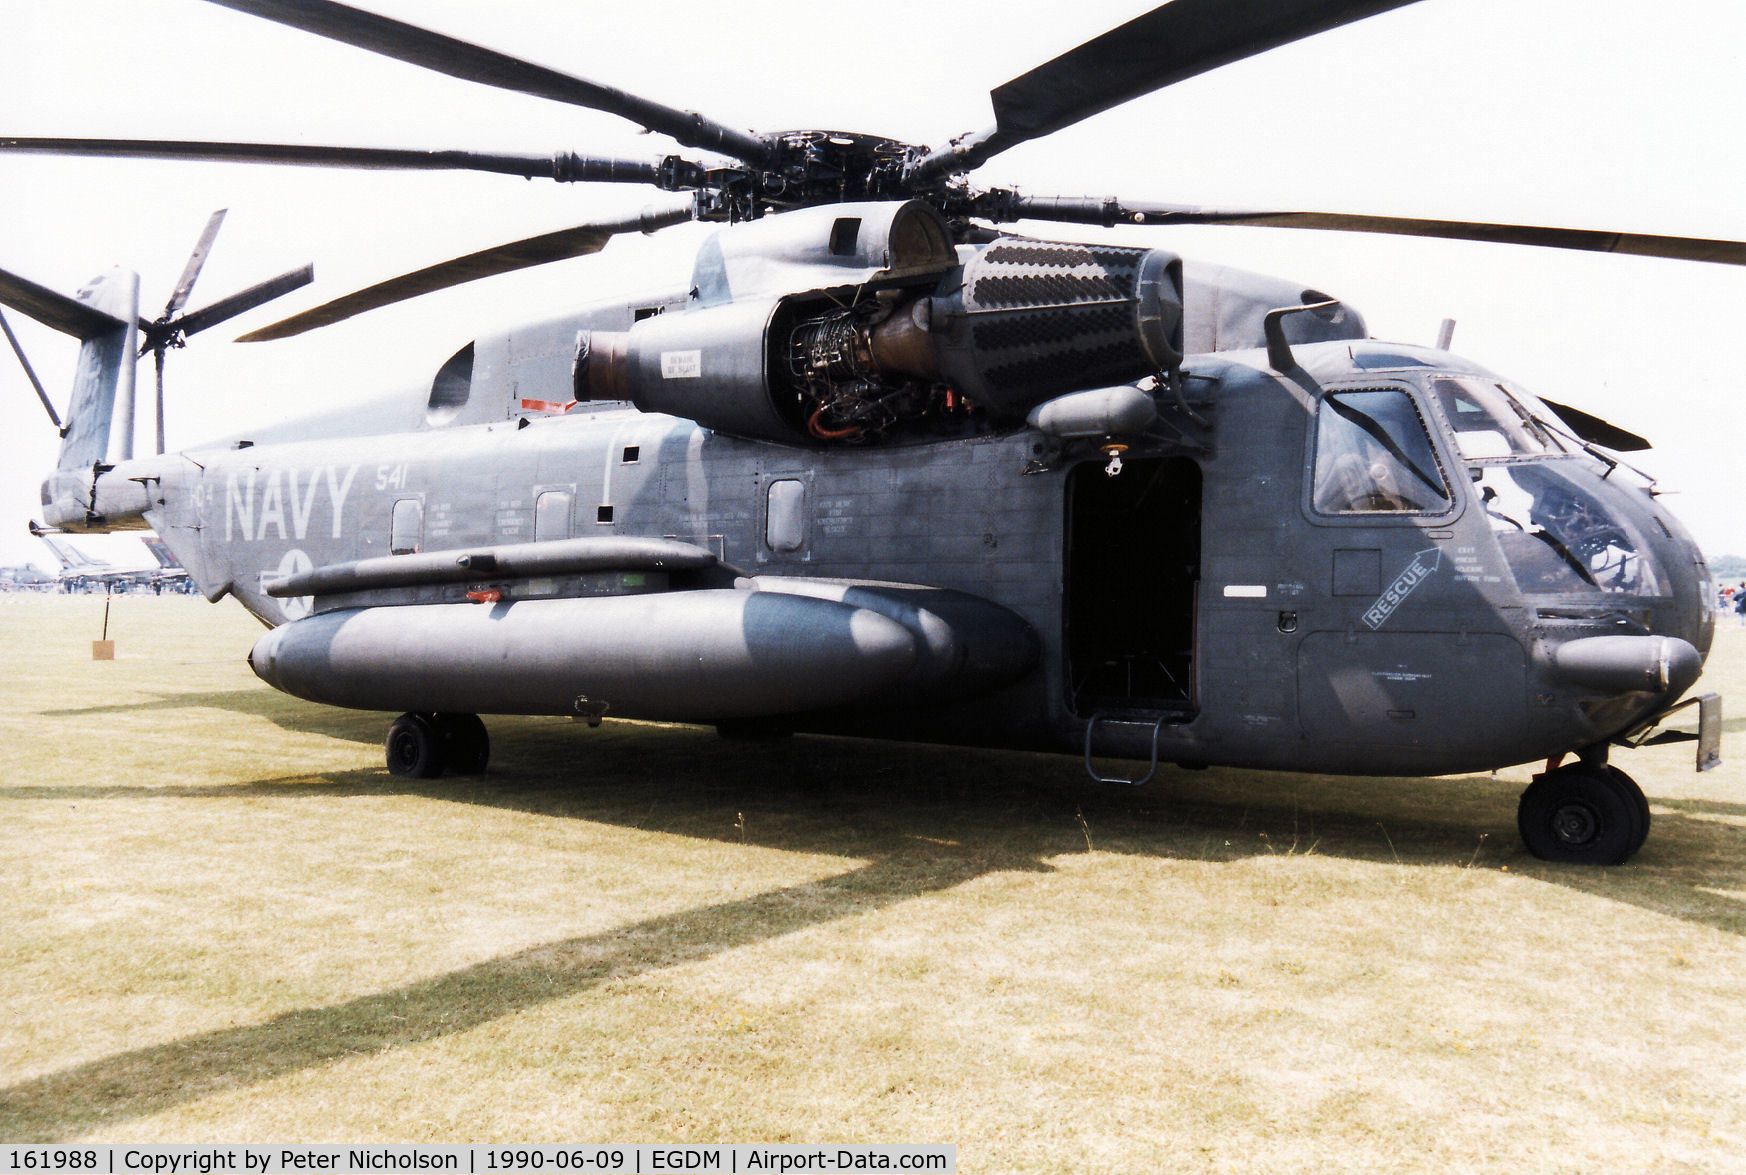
(196, 261)
(244, 300)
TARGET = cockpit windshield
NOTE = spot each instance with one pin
(1488, 421)
(1558, 537)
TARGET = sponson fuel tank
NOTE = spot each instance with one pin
(692, 656)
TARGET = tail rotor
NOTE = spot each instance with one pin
(104, 317)
(172, 328)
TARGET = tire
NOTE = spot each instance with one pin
(1578, 816)
(466, 747)
(413, 749)
(1620, 779)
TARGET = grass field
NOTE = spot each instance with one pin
(224, 921)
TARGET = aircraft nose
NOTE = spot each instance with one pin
(1628, 664)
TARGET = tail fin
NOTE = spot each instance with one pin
(103, 384)
(72, 558)
(161, 552)
(105, 317)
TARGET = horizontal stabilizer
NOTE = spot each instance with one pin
(511, 561)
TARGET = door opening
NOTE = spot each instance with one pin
(1133, 567)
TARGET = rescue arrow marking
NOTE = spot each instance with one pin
(1424, 564)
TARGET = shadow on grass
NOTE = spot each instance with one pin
(135, 1084)
(283, 711)
(925, 818)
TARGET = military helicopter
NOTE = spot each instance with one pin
(875, 466)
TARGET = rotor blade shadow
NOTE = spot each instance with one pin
(100, 1094)
(285, 712)
(862, 798)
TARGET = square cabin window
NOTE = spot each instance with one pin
(1374, 456)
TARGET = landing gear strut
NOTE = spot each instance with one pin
(423, 746)
(1583, 814)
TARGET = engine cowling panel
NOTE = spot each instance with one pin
(977, 345)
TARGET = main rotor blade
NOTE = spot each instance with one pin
(67, 315)
(522, 254)
(196, 261)
(261, 292)
(1091, 210)
(474, 63)
(1167, 45)
(563, 166)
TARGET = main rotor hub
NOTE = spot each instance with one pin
(812, 167)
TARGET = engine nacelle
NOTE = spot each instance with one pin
(1029, 320)
(981, 343)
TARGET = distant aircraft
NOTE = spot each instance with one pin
(170, 573)
(26, 578)
(82, 572)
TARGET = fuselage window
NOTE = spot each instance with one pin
(406, 533)
(1488, 421)
(785, 519)
(1374, 456)
(552, 516)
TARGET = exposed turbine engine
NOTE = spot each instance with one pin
(1015, 323)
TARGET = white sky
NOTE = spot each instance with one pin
(1587, 113)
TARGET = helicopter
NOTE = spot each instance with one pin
(877, 466)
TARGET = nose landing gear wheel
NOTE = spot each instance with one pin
(1582, 815)
(1636, 793)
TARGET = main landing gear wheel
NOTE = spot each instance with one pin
(423, 746)
(414, 750)
(466, 746)
(1583, 815)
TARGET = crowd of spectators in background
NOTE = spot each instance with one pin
(1732, 598)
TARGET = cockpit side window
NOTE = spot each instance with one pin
(1374, 456)
(1488, 421)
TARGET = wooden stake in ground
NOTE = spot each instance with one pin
(104, 650)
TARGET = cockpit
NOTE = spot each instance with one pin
(1564, 525)
(1552, 518)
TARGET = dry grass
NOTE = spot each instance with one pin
(224, 921)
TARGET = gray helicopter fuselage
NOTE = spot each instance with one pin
(1199, 600)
